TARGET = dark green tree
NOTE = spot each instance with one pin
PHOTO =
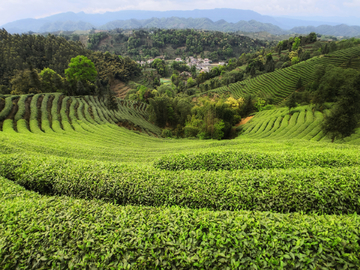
(299, 83)
(291, 102)
(111, 101)
(345, 115)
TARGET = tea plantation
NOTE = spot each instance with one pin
(281, 83)
(78, 190)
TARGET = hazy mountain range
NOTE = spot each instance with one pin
(201, 23)
(212, 19)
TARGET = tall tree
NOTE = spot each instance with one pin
(345, 115)
(81, 69)
(291, 102)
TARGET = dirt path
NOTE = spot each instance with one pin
(120, 88)
(245, 120)
(38, 106)
(27, 111)
(13, 110)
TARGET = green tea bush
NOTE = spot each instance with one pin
(237, 160)
(38, 232)
(320, 190)
(8, 106)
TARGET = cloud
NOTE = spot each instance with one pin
(354, 3)
(11, 10)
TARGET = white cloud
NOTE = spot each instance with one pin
(353, 3)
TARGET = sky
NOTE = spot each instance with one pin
(11, 10)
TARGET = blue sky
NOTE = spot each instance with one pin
(11, 10)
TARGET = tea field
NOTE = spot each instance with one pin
(83, 187)
(281, 83)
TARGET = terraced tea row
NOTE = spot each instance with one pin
(281, 83)
(301, 123)
(62, 232)
(48, 113)
(249, 160)
(104, 205)
(331, 190)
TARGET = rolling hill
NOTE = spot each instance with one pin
(281, 83)
(80, 191)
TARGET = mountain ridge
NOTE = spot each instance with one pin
(236, 20)
(231, 15)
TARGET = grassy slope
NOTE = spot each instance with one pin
(299, 123)
(281, 83)
(84, 155)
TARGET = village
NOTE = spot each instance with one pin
(202, 65)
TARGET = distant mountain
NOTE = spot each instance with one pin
(338, 30)
(97, 20)
(221, 19)
(202, 23)
(65, 26)
(334, 20)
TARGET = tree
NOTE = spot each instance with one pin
(80, 89)
(247, 107)
(312, 37)
(252, 71)
(326, 49)
(291, 102)
(111, 102)
(160, 66)
(50, 81)
(190, 82)
(25, 82)
(81, 69)
(4, 90)
(296, 44)
(270, 64)
(345, 115)
(299, 83)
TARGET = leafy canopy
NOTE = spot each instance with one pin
(80, 69)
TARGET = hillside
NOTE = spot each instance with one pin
(58, 113)
(281, 83)
(172, 43)
(342, 30)
(198, 23)
(77, 190)
(299, 123)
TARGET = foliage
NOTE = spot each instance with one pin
(291, 102)
(50, 81)
(281, 83)
(296, 43)
(23, 82)
(94, 234)
(21, 53)
(108, 193)
(212, 118)
(175, 43)
(81, 69)
(113, 183)
(160, 67)
(168, 111)
(345, 115)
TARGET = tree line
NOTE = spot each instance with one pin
(143, 44)
(35, 63)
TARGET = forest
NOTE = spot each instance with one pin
(172, 43)
(29, 62)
